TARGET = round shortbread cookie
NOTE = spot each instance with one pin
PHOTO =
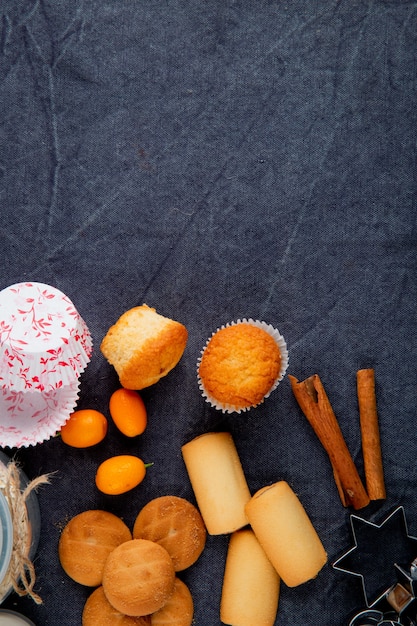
(179, 609)
(99, 612)
(86, 542)
(175, 524)
(138, 577)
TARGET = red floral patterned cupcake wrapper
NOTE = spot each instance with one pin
(30, 417)
(44, 342)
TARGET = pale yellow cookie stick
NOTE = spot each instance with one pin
(250, 590)
(286, 533)
(218, 481)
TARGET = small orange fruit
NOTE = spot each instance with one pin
(119, 474)
(84, 428)
(128, 412)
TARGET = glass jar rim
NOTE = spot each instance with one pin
(18, 617)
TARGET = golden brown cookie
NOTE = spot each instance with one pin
(179, 609)
(286, 533)
(175, 524)
(99, 612)
(143, 346)
(218, 481)
(86, 542)
(251, 585)
(138, 577)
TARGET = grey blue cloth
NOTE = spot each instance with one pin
(220, 160)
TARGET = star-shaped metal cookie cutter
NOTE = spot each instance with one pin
(371, 617)
(381, 558)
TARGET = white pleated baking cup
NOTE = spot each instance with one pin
(28, 418)
(282, 346)
(44, 342)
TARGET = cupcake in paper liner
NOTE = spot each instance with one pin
(241, 364)
(30, 417)
(44, 342)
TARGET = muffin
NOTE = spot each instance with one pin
(241, 364)
(143, 346)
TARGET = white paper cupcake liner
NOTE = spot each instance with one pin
(28, 418)
(281, 343)
(44, 342)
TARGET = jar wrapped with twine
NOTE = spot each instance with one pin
(20, 530)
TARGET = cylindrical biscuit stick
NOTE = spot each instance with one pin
(218, 481)
(286, 533)
(250, 590)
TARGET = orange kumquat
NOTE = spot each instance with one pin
(128, 412)
(84, 428)
(119, 474)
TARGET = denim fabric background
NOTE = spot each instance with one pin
(220, 160)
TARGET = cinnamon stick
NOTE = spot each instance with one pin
(315, 405)
(371, 444)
